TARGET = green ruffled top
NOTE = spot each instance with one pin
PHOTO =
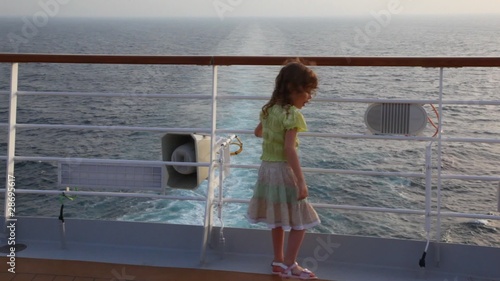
(274, 126)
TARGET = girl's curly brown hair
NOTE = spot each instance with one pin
(295, 76)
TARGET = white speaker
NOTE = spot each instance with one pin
(179, 147)
(396, 118)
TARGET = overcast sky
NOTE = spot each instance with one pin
(235, 8)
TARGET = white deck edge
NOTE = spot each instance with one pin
(331, 256)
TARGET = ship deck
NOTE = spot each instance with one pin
(118, 251)
(69, 270)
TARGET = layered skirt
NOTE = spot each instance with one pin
(274, 200)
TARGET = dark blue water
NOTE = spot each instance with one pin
(463, 36)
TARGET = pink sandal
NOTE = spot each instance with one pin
(305, 274)
(281, 265)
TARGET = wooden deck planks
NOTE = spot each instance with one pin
(28, 269)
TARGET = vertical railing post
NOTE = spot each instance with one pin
(428, 187)
(11, 147)
(428, 201)
(208, 220)
(439, 164)
(498, 197)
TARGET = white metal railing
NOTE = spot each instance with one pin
(210, 199)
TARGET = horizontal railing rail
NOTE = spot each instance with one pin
(252, 60)
(228, 131)
(114, 127)
(228, 97)
(246, 201)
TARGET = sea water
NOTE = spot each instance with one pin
(401, 36)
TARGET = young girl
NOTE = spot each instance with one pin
(280, 194)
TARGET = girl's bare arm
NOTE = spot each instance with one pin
(258, 130)
(293, 160)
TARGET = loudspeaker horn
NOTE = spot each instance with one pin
(179, 147)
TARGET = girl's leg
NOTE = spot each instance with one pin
(292, 250)
(278, 235)
(295, 239)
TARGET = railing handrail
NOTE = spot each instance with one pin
(251, 60)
